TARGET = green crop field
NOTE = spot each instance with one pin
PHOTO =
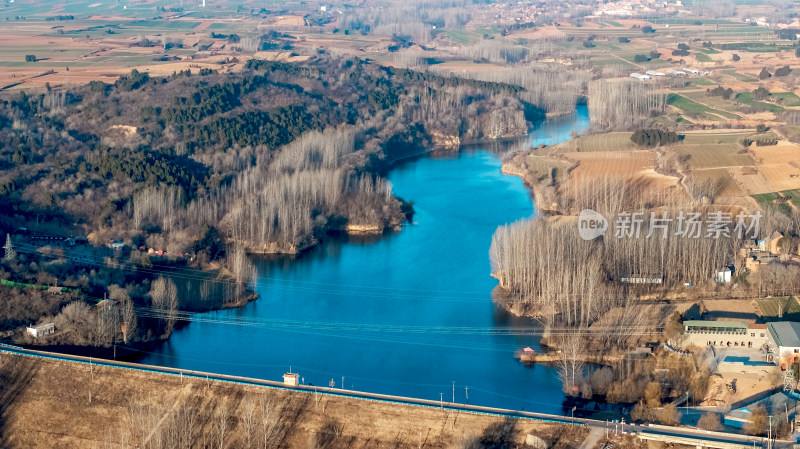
(766, 199)
(779, 309)
(710, 101)
(714, 155)
(786, 98)
(702, 57)
(700, 82)
(685, 104)
(463, 37)
(747, 98)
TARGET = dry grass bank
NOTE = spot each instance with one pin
(45, 404)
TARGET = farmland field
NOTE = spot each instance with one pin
(707, 137)
(713, 155)
(635, 166)
(779, 309)
(787, 98)
(721, 175)
(702, 57)
(617, 141)
(542, 167)
(747, 98)
(750, 181)
(781, 177)
(685, 104)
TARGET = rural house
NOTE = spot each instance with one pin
(41, 330)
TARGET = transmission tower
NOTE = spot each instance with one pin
(10, 254)
(789, 382)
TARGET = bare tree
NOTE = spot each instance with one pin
(164, 296)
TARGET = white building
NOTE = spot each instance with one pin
(785, 336)
(653, 73)
(640, 77)
(41, 330)
(691, 71)
(676, 73)
(724, 275)
(291, 379)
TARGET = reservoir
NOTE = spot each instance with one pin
(407, 313)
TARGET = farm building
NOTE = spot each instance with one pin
(676, 73)
(640, 77)
(730, 334)
(654, 73)
(755, 260)
(691, 71)
(724, 275)
(41, 329)
(785, 336)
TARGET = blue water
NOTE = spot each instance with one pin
(315, 311)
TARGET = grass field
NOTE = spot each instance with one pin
(779, 309)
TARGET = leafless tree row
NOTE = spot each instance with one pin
(553, 89)
(549, 270)
(623, 104)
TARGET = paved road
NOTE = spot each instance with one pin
(680, 432)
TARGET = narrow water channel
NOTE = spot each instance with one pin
(407, 313)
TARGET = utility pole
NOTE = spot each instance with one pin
(441, 401)
(769, 437)
(466, 392)
(342, 382)
(454, 392)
